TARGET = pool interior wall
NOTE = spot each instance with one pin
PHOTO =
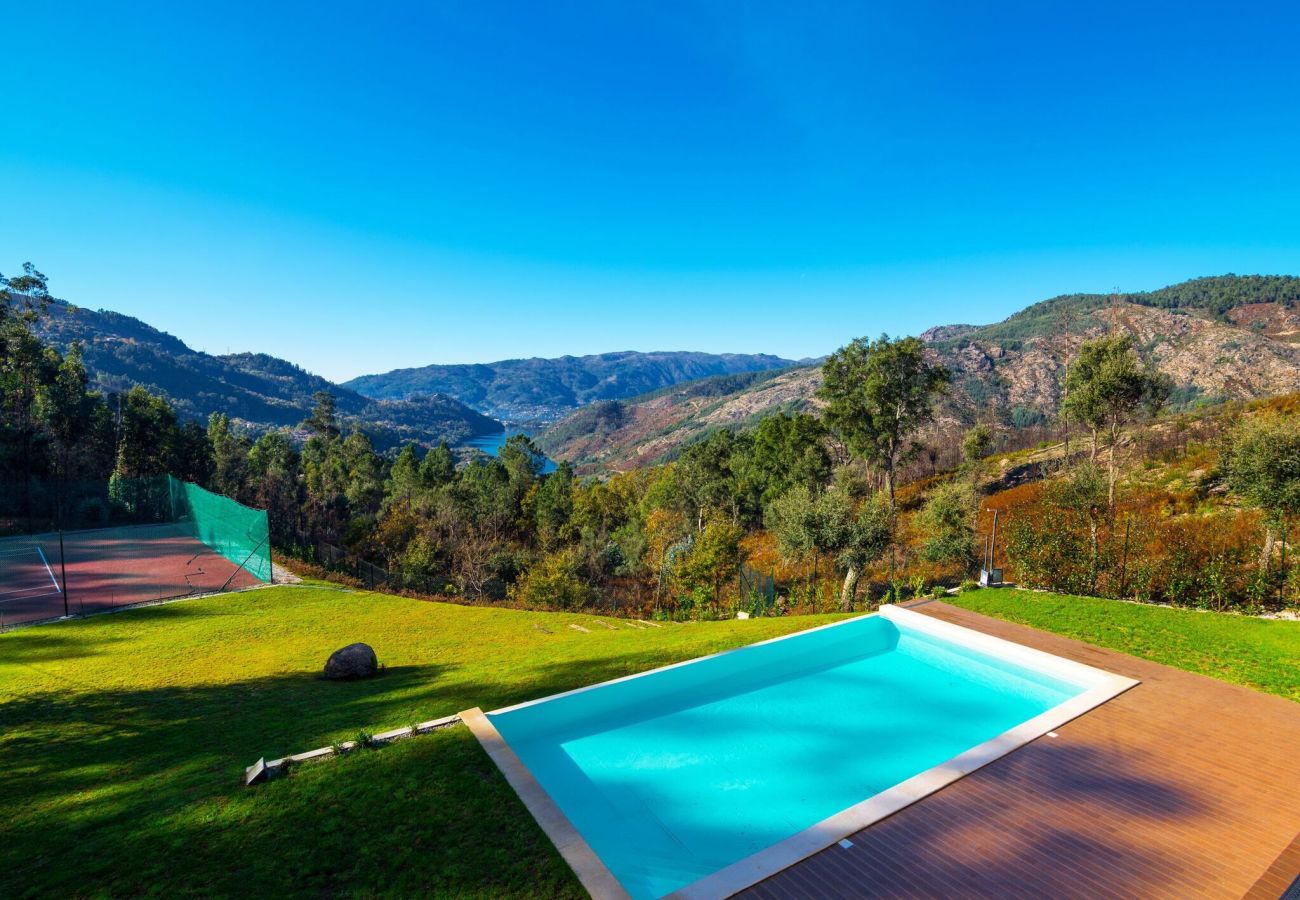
(676, 774)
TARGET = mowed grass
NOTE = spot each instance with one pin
(1260, 653)
(124, 739)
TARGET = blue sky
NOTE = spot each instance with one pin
(356, 190)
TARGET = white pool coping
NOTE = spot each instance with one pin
(601, 883)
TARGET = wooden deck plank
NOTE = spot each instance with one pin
(1182, 787)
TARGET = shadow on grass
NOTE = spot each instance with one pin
(134, 791)
(42, 645)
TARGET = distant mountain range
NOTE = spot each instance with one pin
(532, 391)
(1219, 338)
(258, 390)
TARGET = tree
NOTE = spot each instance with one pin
(1261, 462)
(878, 393)
(553, 505)
(365, 485)
(828, 523)
(229, 456)
(715, 556)
(857, 539)
(192, 459)
(439, 466)
(555, 581)
(404, 481)
(272, 471)
(786, 450)
(793, 520)
(147, 437)
(707, 477)
(323, 421)
(1106, 388)
(26, 367)
(32, 287)
(948, 524)
(977, 443)
(67, 408)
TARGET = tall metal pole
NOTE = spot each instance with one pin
(993, 541)
(63, 571)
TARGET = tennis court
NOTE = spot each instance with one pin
(108, 568)
(214, 544)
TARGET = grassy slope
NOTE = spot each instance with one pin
(1258, 653)
(124, 738)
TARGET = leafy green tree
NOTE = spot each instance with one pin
(553, 506)
(857, 538)
(67, 409)
(947, 522)
(31, 288)
(272, 472)
(147, 436)
(438, 468)
(1261, 462)
(977, 444)
(365, 484)
(878, 393)
(26, 367)
(794, 520)
(1106, 388)
(485, 497)
(786, 450)
(229, 456)
(714, 557)
(323, 421)
(193, 460)
(555, 582)
(830, 522)
(405, 481)
(707, 480)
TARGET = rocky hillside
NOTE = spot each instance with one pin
(530, 391)
(1219, 338)
(257, 390)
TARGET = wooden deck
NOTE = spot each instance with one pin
(1182, 787)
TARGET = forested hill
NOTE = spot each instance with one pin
(539, 390)
(254, 388)
(1223, 337)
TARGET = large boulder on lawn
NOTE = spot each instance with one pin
(353, 661)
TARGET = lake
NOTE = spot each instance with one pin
(491, 444)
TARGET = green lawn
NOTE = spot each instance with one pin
(124, 738)
(1259, 653)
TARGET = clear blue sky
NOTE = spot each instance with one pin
(357, 189)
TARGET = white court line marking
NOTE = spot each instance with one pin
(48, 569)
(6, 596)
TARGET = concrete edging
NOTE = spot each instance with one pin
(262, 770)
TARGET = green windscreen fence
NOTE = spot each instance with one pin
(240, 534)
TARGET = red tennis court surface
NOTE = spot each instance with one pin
(106, 569)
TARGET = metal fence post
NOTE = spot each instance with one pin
(63, 572)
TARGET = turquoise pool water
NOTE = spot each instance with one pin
(674, 775)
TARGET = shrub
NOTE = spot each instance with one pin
(948, 523)
(556, 581)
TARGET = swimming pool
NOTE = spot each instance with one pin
(712, 774)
